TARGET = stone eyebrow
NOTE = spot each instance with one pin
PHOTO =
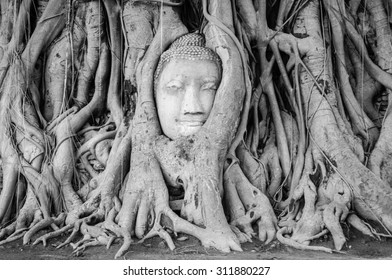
(212, 79)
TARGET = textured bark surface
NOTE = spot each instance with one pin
(294, 146)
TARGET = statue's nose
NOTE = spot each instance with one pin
(191, 101)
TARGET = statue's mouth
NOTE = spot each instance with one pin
(191, 123)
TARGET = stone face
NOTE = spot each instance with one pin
(185, 94)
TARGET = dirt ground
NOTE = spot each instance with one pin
(357, 247)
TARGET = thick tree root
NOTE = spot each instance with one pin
(257, 205)
(53, 121)
(331, 218)
(151, 204)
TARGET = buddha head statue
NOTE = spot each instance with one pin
(186, 80)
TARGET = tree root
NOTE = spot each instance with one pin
(256, 204)
(254, 170)
(85, 243)
(159, 230)
(8, 230)
(241, 235)
(331, 218)
(119, 188)
(17, 235)
(44, 239)
(150, 202)
(381, 156)
(360, 225)
(44, 223)
(236, 210)
(292, 243)
(258, 209)
(92, 236)
(91, 144)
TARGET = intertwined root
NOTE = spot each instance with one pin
(247, 205)
(317, 190)
(381, 157)
(323, 211)
(342, 182)
(146, 213)
(29, 216)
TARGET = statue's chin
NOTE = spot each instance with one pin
(185, 129)
(189, 129)
(182, 129)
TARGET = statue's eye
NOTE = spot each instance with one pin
(209, 87)
(174, 85)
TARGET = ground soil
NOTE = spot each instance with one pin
(358, 246)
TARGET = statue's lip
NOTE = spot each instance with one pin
(192, 122)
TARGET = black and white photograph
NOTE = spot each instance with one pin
(201, 139)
